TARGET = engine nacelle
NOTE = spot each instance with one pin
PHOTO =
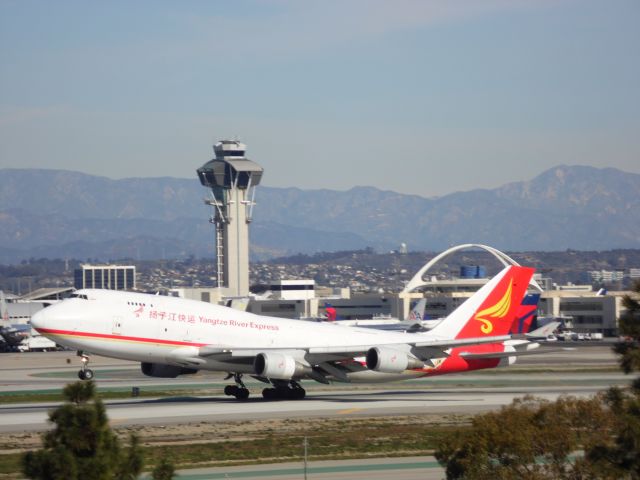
(389, 360)
(164, 371)
(278, 366)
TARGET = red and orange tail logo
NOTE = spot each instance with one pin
(497, 311)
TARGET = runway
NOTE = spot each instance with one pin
(465, 393)
(27, 417)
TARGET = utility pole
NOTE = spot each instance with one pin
(306, 444)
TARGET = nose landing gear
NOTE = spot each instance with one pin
(84, 373)
(238, 390)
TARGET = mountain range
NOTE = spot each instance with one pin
(64, 214)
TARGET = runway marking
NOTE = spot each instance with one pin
(348, 411)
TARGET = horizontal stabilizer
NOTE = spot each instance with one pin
(445, 344)
(479, 356)
(544, 331)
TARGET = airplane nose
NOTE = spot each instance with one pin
(40, 319)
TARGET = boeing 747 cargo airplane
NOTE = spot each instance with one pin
(173, 336)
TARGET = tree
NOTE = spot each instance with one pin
(82, 446)
(624, 452)
(164, 470)
(533, 439)
(629, 326)
(528, 439)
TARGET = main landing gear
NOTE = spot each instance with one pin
(84, 373)
(238, 390)
(281, 390)
(284, 391)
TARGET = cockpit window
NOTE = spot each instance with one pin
(78, 295)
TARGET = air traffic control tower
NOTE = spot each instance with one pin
(232, 179)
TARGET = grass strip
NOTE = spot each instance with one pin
(341, 439)
(56, 395)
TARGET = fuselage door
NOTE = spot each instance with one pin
(116, 326)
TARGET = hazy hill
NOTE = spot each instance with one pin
(53, 213)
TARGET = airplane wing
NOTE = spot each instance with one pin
(430, 348)
(424, 350)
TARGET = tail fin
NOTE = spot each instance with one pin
(417, 312)
(491, 310)
(332, 314)
(413, 322)
(525, 314)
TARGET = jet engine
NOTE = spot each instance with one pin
(278, 366)
(164, 371)
(389, 360)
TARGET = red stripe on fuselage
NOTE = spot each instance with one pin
(118, 337)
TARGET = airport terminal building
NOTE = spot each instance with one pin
(111, 277)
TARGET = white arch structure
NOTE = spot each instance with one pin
(418, 280)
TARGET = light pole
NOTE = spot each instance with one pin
(305, 443)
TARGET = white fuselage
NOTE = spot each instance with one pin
(159, 329)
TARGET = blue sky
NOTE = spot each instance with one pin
(424, 97)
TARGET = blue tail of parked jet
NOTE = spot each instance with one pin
(526, 314)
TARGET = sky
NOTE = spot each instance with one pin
(421, 97)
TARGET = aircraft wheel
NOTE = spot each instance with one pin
(88, 374)
(231, 390)
(81, 374)
(269, 394)
(283, 393)
(299, 393)
(242, 394)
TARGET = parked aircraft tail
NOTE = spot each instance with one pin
(525, 314)
(4, 311)
(417, 312)
(413, 322)
(491, 311)
(332, 314)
